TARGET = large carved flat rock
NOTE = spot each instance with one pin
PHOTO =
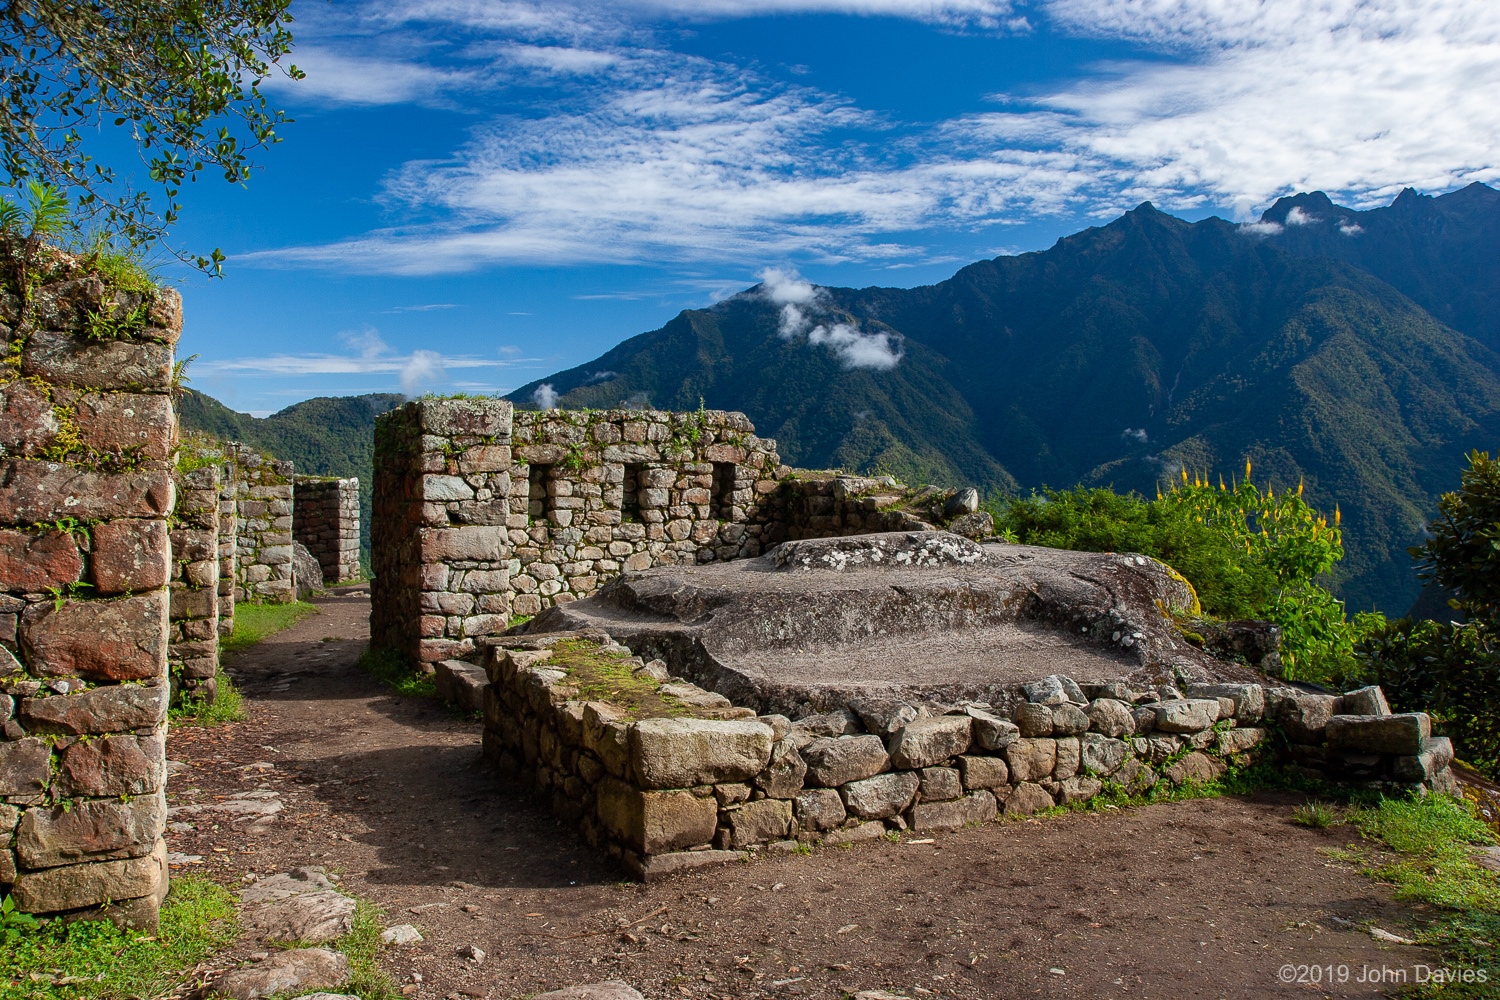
(925, 617)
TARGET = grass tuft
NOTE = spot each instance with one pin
(367, 980)
(228, 706)
(611, 677)
(1318, 815)
(392, 670)
(255, 623)
(91, 959)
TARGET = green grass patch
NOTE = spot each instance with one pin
(367, 980)
(227, 706)
(255, 623)
(392, 670)
(1434, 838)
(609, 677)
(79, 961)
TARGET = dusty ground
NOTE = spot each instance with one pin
(1202, 899)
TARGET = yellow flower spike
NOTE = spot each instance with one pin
(1184, 474)
(1299, 487)
(1337, 517)
(1247, 469)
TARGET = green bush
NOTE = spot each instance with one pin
(1452, 669)
(1247, 553)
(1449, 670)
(1462, 552)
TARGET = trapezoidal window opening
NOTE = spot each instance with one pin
(630, 499)
(722, 490)
(538, 502)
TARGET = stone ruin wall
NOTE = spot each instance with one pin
(325, 519)
(87, 437)
(228, 546)
(195, 585)
(439, 547)
(595, 492)
(712, 781)
(482, 512)
(263, 494)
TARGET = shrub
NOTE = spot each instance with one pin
(1449, 670)
(1248, 554)
(1452, 669)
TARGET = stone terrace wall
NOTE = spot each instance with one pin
(440, 552)
(194, 650)
(598, 491)
(666, 793)
(325, 518)
(263, 542)
(88, 433)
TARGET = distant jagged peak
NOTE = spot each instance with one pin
(1307, 208)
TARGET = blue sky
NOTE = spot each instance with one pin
(475, 194)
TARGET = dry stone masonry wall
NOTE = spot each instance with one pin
(325, 519)
(87, 436)
(194, 650)
(263, 494)
(595, 492)
(676, 776)
(440, 550)
(229, 522)
(574, 497)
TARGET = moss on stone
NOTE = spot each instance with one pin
(610, 678)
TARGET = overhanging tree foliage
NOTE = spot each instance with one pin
(181, 79)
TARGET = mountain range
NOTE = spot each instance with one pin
(1350, 351)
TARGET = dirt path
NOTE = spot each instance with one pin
(1201, 899)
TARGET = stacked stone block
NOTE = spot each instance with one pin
(711, 780)
(325, 519)
(88, 433)
(263, 542)
(822, 506)
(1355, 738)
(441, 555)
(194, 650)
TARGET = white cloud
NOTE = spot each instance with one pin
(987, 13)
(421, 372)
(1351, 228)
(1297, 217)
(856, 348)
(801, 301)
(785, 287)
(1261, 228)
(545, 396)
(1264, 97)
(346, 78)
(1135, 434)
(369, 354)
